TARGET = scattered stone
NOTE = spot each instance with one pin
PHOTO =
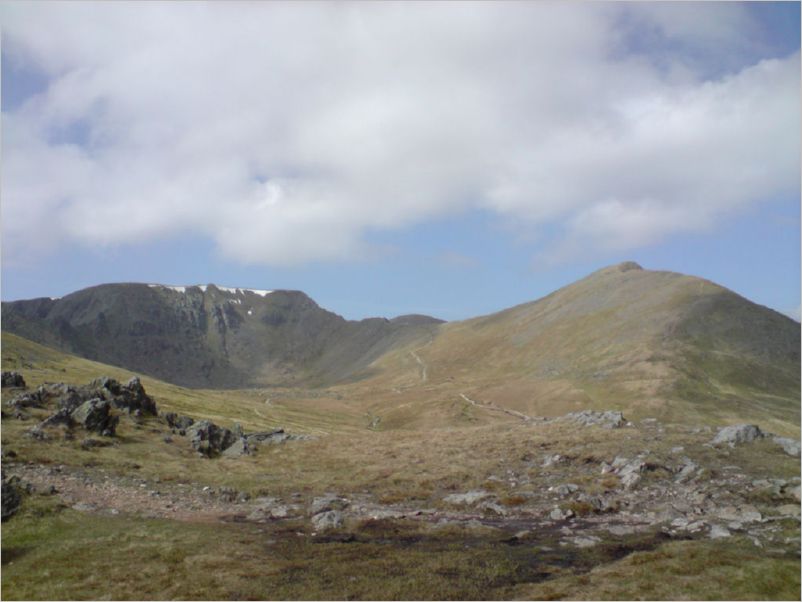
(95, 415)
(677, 450)
(790, 446)
(325, 521)
(467, 499)
(12, 379)
(737, 434)
(608, 419)
(83, 507)
(719, 532)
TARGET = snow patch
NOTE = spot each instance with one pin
(250, 312)
(240, 291)
(203, 287)
(180, 289)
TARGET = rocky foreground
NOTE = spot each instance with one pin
(692, 491)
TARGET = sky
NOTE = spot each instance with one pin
(452, 159)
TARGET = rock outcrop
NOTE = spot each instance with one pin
(12, 379)
(609, 419)
(737, 434)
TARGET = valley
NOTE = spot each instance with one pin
(570, 448)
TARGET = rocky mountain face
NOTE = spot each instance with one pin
(209, 336)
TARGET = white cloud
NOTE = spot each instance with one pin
(285, 132)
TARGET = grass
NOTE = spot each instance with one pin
(683, 570)
(428, 444)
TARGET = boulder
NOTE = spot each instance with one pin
(236, 449)
(327, 503)
(95, 415)
(561, 514)
(790, 446)
(630, 473)
(12, 379)
(325, 521)
(132, 398)
(178, 422)
(719, 532)
(566, 489)
(467, 499)
(26, 400)
(61, 417)
(609, 419)
(209, 439)
(737, 434)
(11, 500)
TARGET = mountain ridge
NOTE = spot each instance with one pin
(621, 333)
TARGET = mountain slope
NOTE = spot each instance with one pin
(622, 337)
(209, 336)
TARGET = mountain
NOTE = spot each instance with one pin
(622, 337)
(653, 342)
(210, 336)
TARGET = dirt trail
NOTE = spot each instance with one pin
(424, 376)
(496, 408)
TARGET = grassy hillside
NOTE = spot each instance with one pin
(650, 343)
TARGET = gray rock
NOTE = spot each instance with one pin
(11, 500)
(630, 473)
(584, 541)
(561, 514)
(332, 519)
(686, 472)
(209, 439)
(467, 499)
(621, 530)
(177, 421)
(26, 400)
(737, 434)
(95, 415)
(131, 398)
(566, 489)
(552, 460)
(788, 510)
(236, 449)
(326, 503)
(609, 419)
(719, 532)
(790, 446)
(12, 379)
